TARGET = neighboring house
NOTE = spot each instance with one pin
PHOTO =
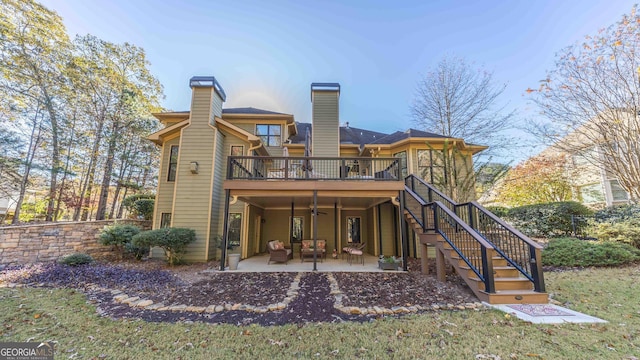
(242, 171)
(592, 182)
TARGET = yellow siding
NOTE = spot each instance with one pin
(249, 127)
(193, 193)
(223, 151)
(388, 230)
(276, 225)
(164, 196)
(372, 239)
(217, 192)
(255, 246)
(326, 134)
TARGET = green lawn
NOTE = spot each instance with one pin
(65, 316)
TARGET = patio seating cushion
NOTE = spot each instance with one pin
(307, 247)
(356, 252)
(277, 251)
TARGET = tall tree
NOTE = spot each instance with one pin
(540, 179)
(138, 94)
(592, 98)
(33, 48)
(459, 101)
(456, 100)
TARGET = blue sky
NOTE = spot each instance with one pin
(266, 53)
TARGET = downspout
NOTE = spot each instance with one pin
(252, 148)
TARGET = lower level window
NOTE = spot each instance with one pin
(353, 229)
(165, 220)
(298, 222)
(235, 225)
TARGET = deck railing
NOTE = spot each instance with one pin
(312, 168)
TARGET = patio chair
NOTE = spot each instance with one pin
(278, 253)
(357, 250)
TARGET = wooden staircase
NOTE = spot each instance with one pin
(510, 286)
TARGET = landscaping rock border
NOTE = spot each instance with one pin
(147, 304)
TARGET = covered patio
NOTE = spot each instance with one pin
(259, 264)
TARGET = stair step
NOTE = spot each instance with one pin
(497, 261)
(516, 297)
(513, 283)
(498, 271)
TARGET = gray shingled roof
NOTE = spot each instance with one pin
(348, 135)
(352, 135)
(250, 110)
(401, 135)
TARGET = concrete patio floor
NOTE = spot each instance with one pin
(258, 263)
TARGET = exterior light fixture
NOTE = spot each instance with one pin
(193, 166)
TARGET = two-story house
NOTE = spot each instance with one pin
(253, 159)
(249, 176)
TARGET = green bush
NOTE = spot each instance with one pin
(627, 232)
(144, 208)
(173, 241)
(499, 211)
(129, 203)
(76, 259)
(547, 220)
(118, 236)
(574, 252)
(137, 252)
(129, 200)
(618, 213)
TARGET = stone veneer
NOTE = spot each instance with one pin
(27, 244)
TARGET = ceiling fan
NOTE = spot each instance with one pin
(319, 212)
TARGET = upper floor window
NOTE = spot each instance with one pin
(173, 163)
(237, 150)
(271, 135)
(431, 165)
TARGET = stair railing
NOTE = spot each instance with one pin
(517, 249)
(474, 250)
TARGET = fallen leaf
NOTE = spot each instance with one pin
(488, 356)
(276, 342)
(36, 316)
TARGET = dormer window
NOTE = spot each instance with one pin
(271, 135)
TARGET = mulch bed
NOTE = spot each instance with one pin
(190, 286)
(399, 289)
(257, 289)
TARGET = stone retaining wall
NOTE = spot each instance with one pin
(27, 244)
